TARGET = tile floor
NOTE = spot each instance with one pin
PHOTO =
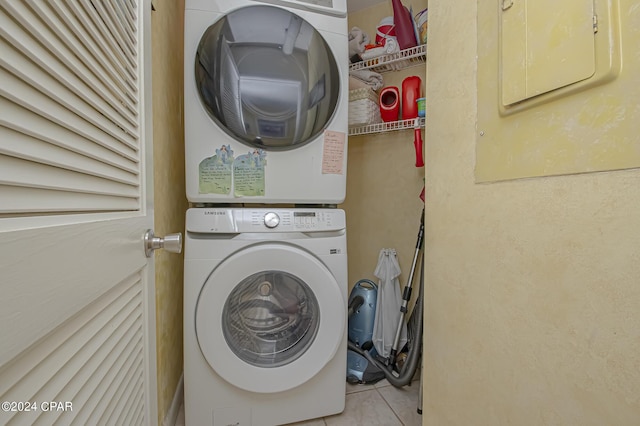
(379, 404)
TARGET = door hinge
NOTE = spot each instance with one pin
(595, 24)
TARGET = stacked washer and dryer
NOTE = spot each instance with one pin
(265, 286)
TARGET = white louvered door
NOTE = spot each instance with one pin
(77, 299)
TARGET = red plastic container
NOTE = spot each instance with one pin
(389, 103)
(410, 95)
(403, 21)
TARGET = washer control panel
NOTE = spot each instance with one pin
(231, 220)
(293, 220)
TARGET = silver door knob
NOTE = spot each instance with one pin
(172, 243)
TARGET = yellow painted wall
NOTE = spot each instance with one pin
(383, 185)
(169, 190)
(584, 127)
(532, 286)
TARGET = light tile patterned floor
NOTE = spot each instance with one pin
(369, 405)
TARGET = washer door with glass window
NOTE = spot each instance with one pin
(270, 317)
(267, 77)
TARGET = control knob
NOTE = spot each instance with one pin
(271, 220)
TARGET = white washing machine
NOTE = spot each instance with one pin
(266, 101)
(265, 300)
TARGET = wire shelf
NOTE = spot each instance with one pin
(407, 58)
(385, 127)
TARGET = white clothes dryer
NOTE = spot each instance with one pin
(265, 300)
(266, 101)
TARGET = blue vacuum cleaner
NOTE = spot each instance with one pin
(361, 314)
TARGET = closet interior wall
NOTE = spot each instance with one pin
(383, 185)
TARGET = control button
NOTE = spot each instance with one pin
(271, 220)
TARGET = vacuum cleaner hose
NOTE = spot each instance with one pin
(415, 344)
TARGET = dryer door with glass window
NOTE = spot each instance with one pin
(270, 317)
(267, 77)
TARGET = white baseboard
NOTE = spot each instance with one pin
(176, 403)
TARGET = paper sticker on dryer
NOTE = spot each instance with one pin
(215, 172)
(248, 174)
(333, 152)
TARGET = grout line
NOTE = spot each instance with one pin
(389, 405)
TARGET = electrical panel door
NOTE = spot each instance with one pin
(545, 45)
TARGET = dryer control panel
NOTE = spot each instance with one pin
(228, 220)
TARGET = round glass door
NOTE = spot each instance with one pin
(270, 319)
(267, 77)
